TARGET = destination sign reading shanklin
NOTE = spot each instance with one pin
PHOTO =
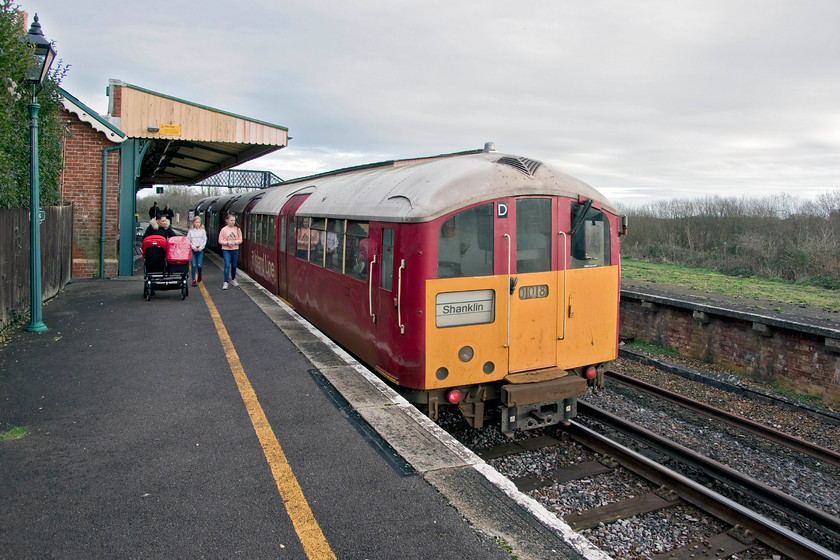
(474, 307)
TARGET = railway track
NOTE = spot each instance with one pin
(818, 452)
(670, 488)
(770, 532)
(752, 518)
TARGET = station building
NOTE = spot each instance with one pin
(147, 138)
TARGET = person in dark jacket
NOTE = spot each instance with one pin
(153, 211)
(160, 226)
(170, 214)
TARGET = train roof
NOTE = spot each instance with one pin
(426, 189)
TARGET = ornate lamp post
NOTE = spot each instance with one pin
(43, 56)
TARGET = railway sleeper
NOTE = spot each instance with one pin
(514, 447)
(624, 509)
(564, 474)
(724, 545)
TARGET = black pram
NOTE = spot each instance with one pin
(166, 264)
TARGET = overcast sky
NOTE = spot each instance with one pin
(644, 100)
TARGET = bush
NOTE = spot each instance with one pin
(15, 56)
(829, 282)
(739, 271)
(779, 237)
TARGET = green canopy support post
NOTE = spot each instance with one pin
(132, 156)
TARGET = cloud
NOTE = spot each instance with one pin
(643, 100)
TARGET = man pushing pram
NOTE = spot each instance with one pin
(166, 258)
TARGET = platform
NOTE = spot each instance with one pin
(225, 426)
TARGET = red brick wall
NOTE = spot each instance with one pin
(82, 186)
(803, 362)
(115, 92)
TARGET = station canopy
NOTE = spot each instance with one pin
(188, 142)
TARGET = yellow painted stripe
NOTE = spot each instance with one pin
(314, 543)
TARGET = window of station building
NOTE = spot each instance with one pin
(334, 245)
(316, 247)
(465, 243)
(387, 258)
(356, 250)
(590, 236)
(533, 235)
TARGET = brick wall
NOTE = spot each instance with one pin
(82, 186)
(805, 362)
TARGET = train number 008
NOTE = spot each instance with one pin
(533, 292)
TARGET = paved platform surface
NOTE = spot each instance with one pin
(221, 426)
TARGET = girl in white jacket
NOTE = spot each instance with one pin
(198, 240)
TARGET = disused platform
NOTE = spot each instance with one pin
(224, 426)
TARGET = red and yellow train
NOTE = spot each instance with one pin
(477, 279)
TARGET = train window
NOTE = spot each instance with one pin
(258, 234)
(269, 232)
(316, 247)
(334, 244)
(533, 235)
(465, 243)
(356, 250)
(282, 233)
(387, 258)
(307, 240)
(590, 236)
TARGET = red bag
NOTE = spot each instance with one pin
(178, 250)
(154, 241)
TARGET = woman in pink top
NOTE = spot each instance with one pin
(229, 240)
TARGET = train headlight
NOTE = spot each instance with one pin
(466, 354)
(489, 367)
(442, 373)
(454, 396)
(591, 372)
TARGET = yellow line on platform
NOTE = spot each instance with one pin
(314, 543)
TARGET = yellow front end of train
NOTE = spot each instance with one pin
(526, 341)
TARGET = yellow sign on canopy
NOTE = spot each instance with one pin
(170, 129)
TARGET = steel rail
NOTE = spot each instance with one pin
(772, 534)
(817, 452)
(794, 507)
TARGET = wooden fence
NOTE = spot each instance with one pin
(56, 258)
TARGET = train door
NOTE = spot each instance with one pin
(590, 308)
(253, 234)
(535, 288)
(286, 281)
(282, 253)
(382, 286)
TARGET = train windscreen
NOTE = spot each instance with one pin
(465, 243)
(590, 237)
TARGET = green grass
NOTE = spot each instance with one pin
(714, 282)
(15, 433)
(794, 396)
(653, 349)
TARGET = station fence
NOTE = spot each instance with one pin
(56, 258)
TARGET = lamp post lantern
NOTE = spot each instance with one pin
(43, 56)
